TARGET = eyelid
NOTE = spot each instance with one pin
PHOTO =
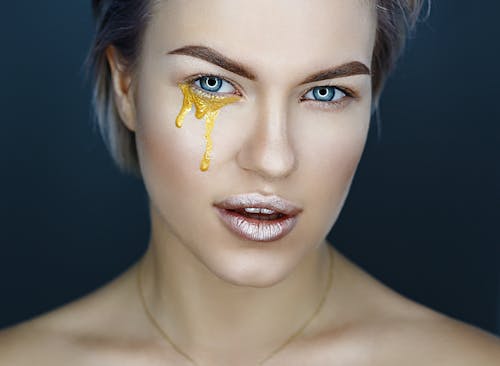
(350, 92)
(350, 95)
(191, 79)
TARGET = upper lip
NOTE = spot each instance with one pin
(272, 202)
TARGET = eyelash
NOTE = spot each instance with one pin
(349, 94)
(197, 77)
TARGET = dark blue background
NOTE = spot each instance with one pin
(422, 215)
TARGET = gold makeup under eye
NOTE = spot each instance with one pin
(207, 106)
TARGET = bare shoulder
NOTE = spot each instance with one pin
(437, 340)
(86, 331)
(30, 343)
(433, 339)
(390, 329)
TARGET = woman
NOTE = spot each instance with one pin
(246, 121)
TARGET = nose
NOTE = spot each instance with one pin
(267, 151)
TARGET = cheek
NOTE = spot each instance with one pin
(159, 139)
(169, 156)
(330, 152)
(179, 149)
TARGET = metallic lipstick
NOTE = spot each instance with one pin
(257, 217)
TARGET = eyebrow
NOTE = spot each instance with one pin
(216, 58)
(210, 55)
(344, 70)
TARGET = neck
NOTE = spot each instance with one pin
(201, 312)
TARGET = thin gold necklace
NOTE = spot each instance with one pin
(288, 341)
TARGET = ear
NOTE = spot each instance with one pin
(122, 90)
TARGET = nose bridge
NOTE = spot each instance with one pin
(268, 150)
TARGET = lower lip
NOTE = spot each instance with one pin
(256, 230)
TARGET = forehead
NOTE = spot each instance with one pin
(269, 35)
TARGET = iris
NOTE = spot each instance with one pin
(211, 83)
(324, 93)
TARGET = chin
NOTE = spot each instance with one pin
(249, 267)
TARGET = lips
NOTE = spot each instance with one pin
(256, 217)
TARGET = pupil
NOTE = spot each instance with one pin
(324, 93)
(212, 82)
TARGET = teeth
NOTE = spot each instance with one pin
(256, 210)
(252, 210)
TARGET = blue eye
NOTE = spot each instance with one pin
(324, 94)
(214, 84)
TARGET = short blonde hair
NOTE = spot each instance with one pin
(122, 23)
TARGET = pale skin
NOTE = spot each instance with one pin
(226, 301)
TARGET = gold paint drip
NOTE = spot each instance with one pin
(207, 106)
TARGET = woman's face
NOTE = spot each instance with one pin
(297, 129)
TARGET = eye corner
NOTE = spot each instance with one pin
(349, 92)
